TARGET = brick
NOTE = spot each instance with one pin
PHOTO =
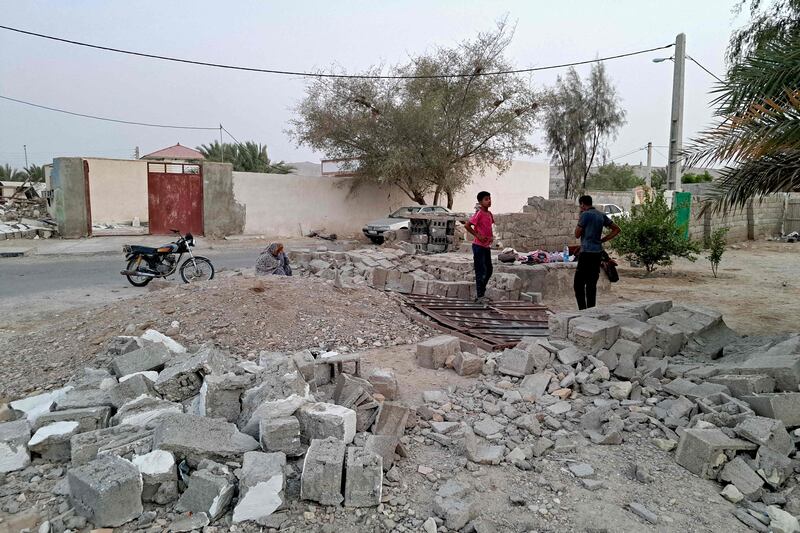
(321, 480)
(782, 406)
(107, 491)
(701, 451)
(363, 478)
(433, 353)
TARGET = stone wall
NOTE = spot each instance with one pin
(542, 225)
(757, 220)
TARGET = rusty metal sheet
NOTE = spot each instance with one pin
(492, 326)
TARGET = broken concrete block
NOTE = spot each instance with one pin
(304, 362)
(591, 334)
(467, 364)
(384, 382)
(782, 522)
(782, 406)
(534, 386)
(159, 476)
(433, 353)
(456, 512)
(392, 418)
(321, 480)
(784, 369)
(280, 394)
(516, 362)
(480, 453)
(773, 467)
(172, 345)
(261, 486)
(322, 420)
(628, 354)
(620, 390)
(182, 380)
(52, 442)
(351, 391)
(363, 478)
(384, 446)
(766, 432)
(668, 338)
(486, 427)
(195, 438)
(209, 490)
(14, 437)
(702, 451)
(732, 494)
(107, 491)
(745, 384)
(143, 410)
(559, 324)
(637, 331)
(570, 356)
(149, 357)
(88, 419)
(133, 387)
(739, 473)
(281, 435)
(220, 395)
(81, 399)
(116, 440)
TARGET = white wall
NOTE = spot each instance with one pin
(117, 190)
(280, 204)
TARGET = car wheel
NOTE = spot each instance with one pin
(376, 240)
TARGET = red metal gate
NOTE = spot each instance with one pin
(175, 198)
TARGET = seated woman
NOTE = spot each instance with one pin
(273, 261)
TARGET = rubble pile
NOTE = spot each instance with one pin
(22, 219)
(675, 376)
(173, 438)
(400, 270)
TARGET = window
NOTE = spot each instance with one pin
(439, 210)
(404, 212)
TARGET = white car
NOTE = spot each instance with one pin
(398, 220)
(612, 210)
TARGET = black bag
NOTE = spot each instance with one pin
(609, 266)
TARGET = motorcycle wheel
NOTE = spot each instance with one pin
(137, 281)
(204, 270)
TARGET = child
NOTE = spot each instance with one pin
(480, 226)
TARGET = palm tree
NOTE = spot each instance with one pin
(757, 136)
(246, 157)
(35, 173)
(11, 174)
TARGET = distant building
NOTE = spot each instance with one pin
(175, 153)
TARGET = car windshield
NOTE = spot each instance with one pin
(404, 212)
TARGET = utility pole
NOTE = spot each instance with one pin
(136, 153)
(676, 118)
(25, 148)
(649, 174)
(221, 146)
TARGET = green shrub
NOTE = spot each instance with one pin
(651, 236)
(716, 247)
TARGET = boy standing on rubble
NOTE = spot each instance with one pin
(480, 226)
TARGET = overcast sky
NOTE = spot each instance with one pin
(306, 35)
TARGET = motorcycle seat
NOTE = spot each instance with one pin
(135, 248)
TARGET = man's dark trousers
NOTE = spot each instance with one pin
(586, 276)
(483, 267)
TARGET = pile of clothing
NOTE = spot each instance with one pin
(536, 257)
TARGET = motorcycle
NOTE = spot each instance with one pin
(146, 263)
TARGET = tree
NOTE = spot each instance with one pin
(245, 157)
(690, 177)
(613, 177)
(424, 134)
(716, 247)
(35, 173)
(579, 120)
(658, 179)
(651, 236)
(757, 131)
(11, 174)
(778, 20)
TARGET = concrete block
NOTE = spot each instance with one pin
(570, 356)
(143, 410)
(52, 442)
(392, 418)
(702, 451)
(159, 476)
(88, 419)
(322, 420)
(116, 440)
(208, 490)
(782, 406)
(384, 446)
(195, 438)
(654, 308)
(637, 331)
(669, 339)
(775, 468)
(516, 362)
(80, 399)
(281, 392)
(628, 353)
(766, 432)
(744, 478)
(433, 353)
(261, 487)
(610, 359)
(14, 437)
(305, 364)
(321, 480)
(107, 491)
(152, 356)
(35, 406)
(363, 478)
(456, 512)
(745, 384)
(377, 278)
(384, 382)
(467, 364)
(133, 387)
(220, 395)
(182, 380)
(480, 453)
(351, 391)
(534, 386)
(281, 435)
(591, 334)
(784, 369)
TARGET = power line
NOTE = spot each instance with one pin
(324, 75)
(704, 68)
(104, 118)
(661, 154)
(230, 135)
(629, 153)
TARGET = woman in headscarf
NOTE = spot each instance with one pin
(273, 261)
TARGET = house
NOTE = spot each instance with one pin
(175, 153)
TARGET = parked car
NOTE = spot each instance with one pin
(612, 210)
(398, 220)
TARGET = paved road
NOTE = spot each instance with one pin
(31, 276)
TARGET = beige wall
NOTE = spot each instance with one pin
(117, 190)
(279, 204)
